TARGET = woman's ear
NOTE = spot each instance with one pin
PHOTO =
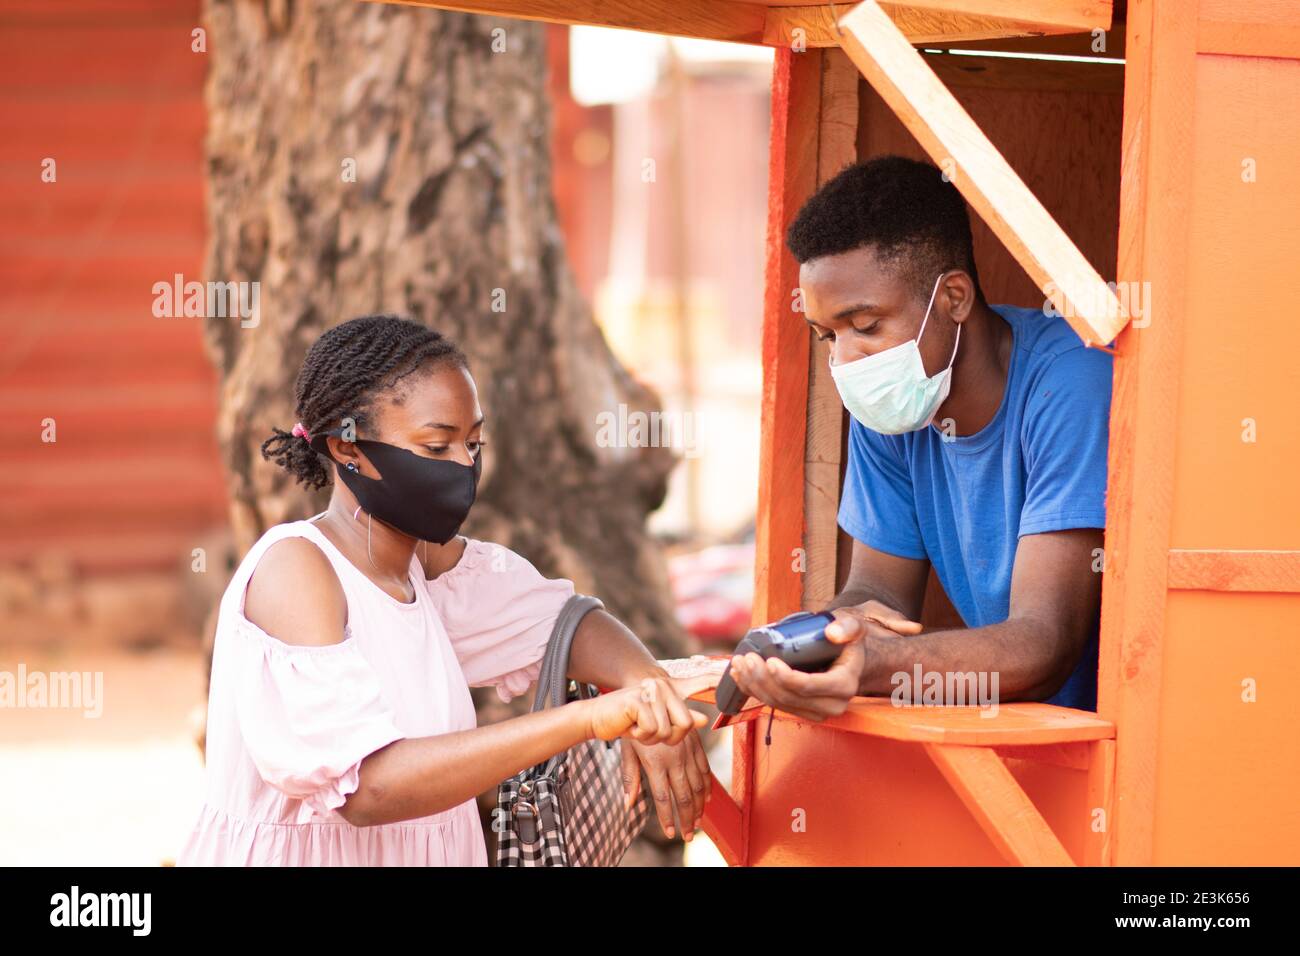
(345, 452)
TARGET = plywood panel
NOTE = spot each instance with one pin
(1238, 440)
(1225, 787)
(903, 812)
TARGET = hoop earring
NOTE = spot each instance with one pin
(368, 554)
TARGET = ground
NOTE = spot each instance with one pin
(119, 789)
(123, 788)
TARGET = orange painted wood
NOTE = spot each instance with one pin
(773, 22)
(1071, 756)
(1260, 28)
(1099, 845)
(953, 140)
(1228, 762)
(1154, 206)
(870, 801)
(1234, 570)
(792, 178)
(1020, 724)
(779, 521)
(730, 20)
(1247, 39)
(1003, 810)
(1074, 15)
(836, 149)
(816, 23)
(722, 823)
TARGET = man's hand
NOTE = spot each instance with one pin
(871, 619)
(810, 696)
(815, 697)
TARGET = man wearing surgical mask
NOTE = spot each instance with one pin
(977, 446)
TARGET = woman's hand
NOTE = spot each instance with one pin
(650, 712)
(678, 778)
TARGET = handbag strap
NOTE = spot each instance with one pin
(553, 678)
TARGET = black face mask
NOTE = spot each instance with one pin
(427, 498)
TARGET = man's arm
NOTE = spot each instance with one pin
(1055, 597)
(895, 582)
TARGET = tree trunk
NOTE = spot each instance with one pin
(449, 213)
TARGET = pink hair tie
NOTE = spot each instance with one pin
(301, 432)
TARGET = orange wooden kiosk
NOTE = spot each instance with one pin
(1161, 159)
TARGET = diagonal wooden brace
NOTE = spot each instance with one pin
(996, 800)
(945, 130)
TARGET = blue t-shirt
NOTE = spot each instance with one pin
(964, 502)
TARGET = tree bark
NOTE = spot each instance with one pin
(450, 212)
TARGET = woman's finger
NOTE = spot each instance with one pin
(678, 713)
(631, 776)
(661, 795)
(688, 687)
(646, 726)
(701, 761)
(684, 797)
(660, 706)
(698, 782)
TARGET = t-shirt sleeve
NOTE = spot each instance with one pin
(877, 506)
(1065, 437)
(499, 612)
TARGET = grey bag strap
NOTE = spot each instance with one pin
(553, 678)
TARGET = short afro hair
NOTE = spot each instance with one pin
(905, 210)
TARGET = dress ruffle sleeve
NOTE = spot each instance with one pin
(308, 715)
(499, 612)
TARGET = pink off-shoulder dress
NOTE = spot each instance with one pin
(288, 725)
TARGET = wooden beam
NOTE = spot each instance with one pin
(1014, 725)
(1280, 40)
(1075, 755)
(836, 148)
(1155, 205)
(716, 20)
(992, 72)
(1064, 44)
(722, 823)
(1264, 571)
(1073, 15)
(1000, 806)
(792, 178)
(779, 521)
(1098, 848)
(816, 26)
(944, 129)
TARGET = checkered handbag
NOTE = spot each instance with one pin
(569, 810)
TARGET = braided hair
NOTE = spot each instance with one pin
(346, 369)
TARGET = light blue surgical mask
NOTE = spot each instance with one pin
(889, 392)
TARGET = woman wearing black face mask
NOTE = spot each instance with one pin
(340, 725)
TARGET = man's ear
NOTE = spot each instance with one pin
(957, 293)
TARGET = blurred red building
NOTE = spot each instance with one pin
(103, 192)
